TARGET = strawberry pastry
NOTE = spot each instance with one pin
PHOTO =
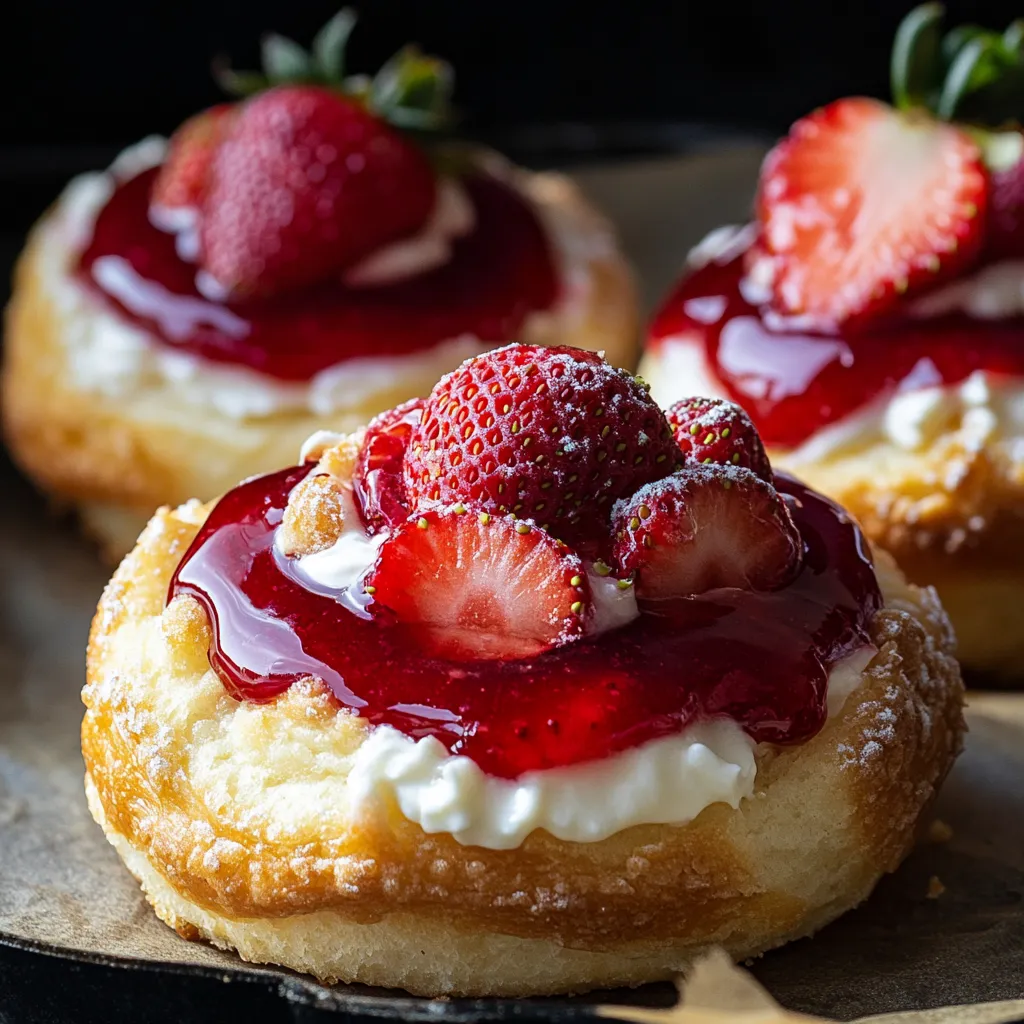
(871, 320)
(303, 257)
(523, 688)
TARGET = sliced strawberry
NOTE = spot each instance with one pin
(552, 434)
(305, 183)
(861, 204)
(185, 172)
(706, 527)
(714, 430)
(472, 585)
(379, 481)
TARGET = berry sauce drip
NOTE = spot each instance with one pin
(497, 275)
(761, 659)
(793, 383)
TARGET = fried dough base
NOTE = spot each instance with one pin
(234, 818)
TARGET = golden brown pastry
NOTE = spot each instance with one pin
(500, 762)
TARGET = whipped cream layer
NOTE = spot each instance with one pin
(110, 356)
(667, 781)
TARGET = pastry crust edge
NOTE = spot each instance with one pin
(389, 905)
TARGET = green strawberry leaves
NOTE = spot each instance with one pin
(969, 74)
(411, 91)
(916, 52)
(330, 42)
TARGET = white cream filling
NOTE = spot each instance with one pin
(343, 565)
(992, 292)
(667, 781)
(614, 606)
(981, 408)
(995, 292)
(110, 356)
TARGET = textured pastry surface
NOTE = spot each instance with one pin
(235, 819)
(118, 458)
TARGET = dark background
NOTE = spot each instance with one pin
(108, 72)
(549, 80)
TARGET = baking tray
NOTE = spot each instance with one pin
(78, 942)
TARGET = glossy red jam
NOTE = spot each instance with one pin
(760, 659)
(793, 383)
(498, 274)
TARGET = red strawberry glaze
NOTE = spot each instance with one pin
(759, 658)
(794, 382)
(498, 274)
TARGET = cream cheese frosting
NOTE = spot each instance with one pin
(110, 356)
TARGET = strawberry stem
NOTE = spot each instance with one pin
(969, 74)
(411, 91)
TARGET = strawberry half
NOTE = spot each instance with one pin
(551, 434)
(706, 527)
(379, 481)
(306, 183)
(471, 585)
(714, 430)
(183, 178)
(861, 204)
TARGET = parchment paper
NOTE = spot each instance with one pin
(61, 884)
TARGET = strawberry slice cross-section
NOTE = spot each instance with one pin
(470, 585)
(861, 204)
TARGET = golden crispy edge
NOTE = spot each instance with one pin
(745, 878)
(953, 504)
(87, 448)
(952, 518)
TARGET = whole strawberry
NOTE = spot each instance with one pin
(182, 181)
(714, 430)
(310, 172)
(307, 182)
(551, 434)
